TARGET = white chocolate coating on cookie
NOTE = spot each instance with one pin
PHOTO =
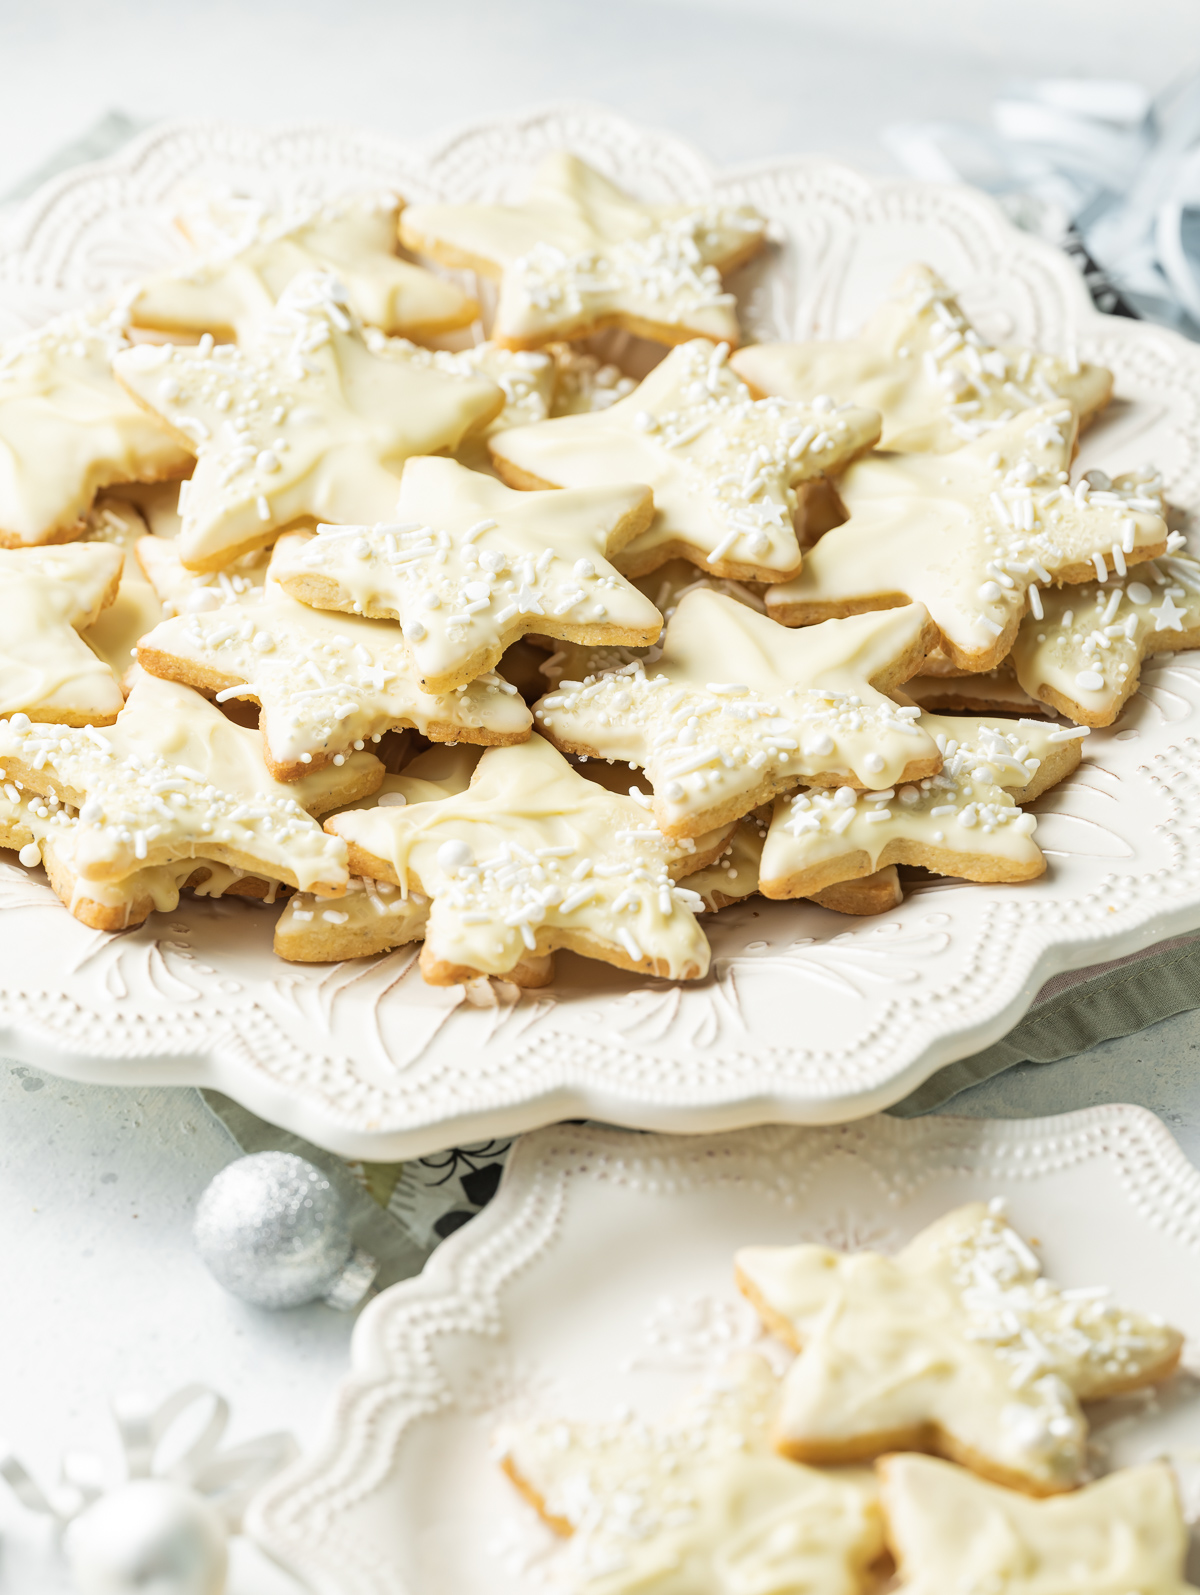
(970, 535)
(305, 422)
(957, 1344)
(1124, 1535)
(47, 597)
(724, 467)
(136, 609)
(962, 821)
(181, 592)
(68, 428)
(579, 254)
(530, 858)
(698, 1505)
(234, 286)
(173, 779)
(584, 383)
(920, 363)
(469, 565)
(526, 377)
(793, 706)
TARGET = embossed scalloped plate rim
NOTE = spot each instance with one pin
(321, 1051)
(545, 1297)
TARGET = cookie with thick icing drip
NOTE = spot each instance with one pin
(533, 857)
(326, 683)
(1124, 1535)
(698, 1505)
(468, 565)
(47, 597)
(305, 423)
(579, 254)
(173, 779)
(957, 1344)
(233, 287)
(793, 706)
(724, 466)
(69, 429)
(136, 609)
(734, 876)
(964, 821)
(974, 536)
(918, 361)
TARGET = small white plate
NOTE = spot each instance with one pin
(601, 1277)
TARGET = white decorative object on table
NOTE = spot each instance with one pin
(802, 1019)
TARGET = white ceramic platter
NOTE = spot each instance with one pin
(806, 1016)
(601, 1278)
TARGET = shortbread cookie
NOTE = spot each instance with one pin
(304, 423)
(467, 566)
(992, 692)
(724, 467)
(963, 821)
(920, 363)
(969, 535)
(47, 597)
(733, 876)
(136, 609)
(956, 1345)
(1084, 655)
(794, 706)
(526, 377)
(530, 858)
(182, 592)
(325, 682)
(68, 428)
(173, 779)
(233, 288)
(949, 1531)
(579, 254)
(583, 382)
(698, 1505)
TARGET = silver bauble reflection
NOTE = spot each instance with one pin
(274, 1230)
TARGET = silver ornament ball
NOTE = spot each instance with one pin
(150, 1537)
(274, 1230)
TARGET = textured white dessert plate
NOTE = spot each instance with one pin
(601, 1278)
(806, 1016)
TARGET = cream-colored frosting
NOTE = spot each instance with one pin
(526, 377)
(734, 874)
(949, 1531)
(579, 253)
(963, 821)
(326, 682)
(468, 565)
(921, 364)
(305, 422)
(253, 255)
(136, 609)
(533, 857)
(174, 779)
(68, 428)
(181, 592)
(47, 597)
(974, 536)
(583, 382)
(791, 706)
(697, 1505)
(957, 1340)
(724, 467)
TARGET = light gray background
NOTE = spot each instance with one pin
(97, 1186)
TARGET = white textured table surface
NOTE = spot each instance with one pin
(98, 1185)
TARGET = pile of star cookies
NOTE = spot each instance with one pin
(491, 647)
(958, 1346)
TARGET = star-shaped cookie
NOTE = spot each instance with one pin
(957, 1344)
(792, 706)
(734, 876)
(920, 363)
(1124, 1535)
(136, 609)
(68, 428)
(973, 535)
(724, 466)
(233, 287)
(182, 592)
(467, 566)
(579, 254)
(47, 597)
(173, 779)
(697, 1505)
(964, 821)
(304, 423)
(326, 683)
(530, 858)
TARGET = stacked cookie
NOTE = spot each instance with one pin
(451, 599)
